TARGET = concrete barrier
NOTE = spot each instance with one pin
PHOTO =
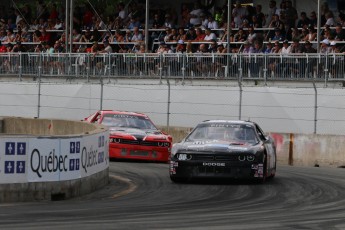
(50, 159)
(297, 149)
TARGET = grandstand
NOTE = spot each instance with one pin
(268, 39)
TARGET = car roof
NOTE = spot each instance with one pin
(123, 112)
(230, 122)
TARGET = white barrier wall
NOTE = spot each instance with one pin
(46, 159)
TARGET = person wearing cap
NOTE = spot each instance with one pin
(334, 47)
(268, 48)
(325, 46)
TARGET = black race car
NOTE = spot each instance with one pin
(224, 149)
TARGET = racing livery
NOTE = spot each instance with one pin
(133, 136)
(224, 149)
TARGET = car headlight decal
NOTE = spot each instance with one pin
(241, 158)
(250, 158)
(184, 157)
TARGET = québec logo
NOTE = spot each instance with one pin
(12, 149)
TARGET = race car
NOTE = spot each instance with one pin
(224, 149)
(133, 136)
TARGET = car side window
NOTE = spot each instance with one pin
(260, 133)
(98, 116)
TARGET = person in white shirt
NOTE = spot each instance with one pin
(209, 35)
(212, 24)
(239, 13)
(204, 21)
(194, 15)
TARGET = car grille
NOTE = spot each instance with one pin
(203, 157)
(213, 170)
(140, 142)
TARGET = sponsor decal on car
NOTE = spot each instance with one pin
(213, 164)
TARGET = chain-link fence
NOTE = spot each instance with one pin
(264, 67)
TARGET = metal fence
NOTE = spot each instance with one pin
(265, 67)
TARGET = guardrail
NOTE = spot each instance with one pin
(325, 67)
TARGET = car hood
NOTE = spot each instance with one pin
(217, 146)
(134, 132)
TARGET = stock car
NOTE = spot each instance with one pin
(224, 149)
(133, 136)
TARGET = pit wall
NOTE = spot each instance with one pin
(43, 159)
(297, 149)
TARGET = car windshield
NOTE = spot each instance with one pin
(226, 132)
(130, 121)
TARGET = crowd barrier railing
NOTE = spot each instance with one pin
(195, 65)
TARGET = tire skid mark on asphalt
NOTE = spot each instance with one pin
(131, 186)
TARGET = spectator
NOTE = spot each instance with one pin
(278, 36)
(2, 48)
(304, 21)
(276, 48)
(180, 48)
(95, 36)
(240, 36)
(272, 11)
(296, 47)
(10, 35)
(3, 35)
(212, 24)
(239, 13)
(191, 35)
(157, 22)
(200, 36)
(76, 35)
(313, 19)
(311, 36)
(259, 17)
(137, 35)
(329, 19)
(286, 49)
(58, 24)
(209, 35)
(325, 46)
(184, 15)
(86, 36)
(290, 15)
(247, 48)
(121, 10)
(181, 34)
(204, 21)
(308, 48)
(194, 15)
(268, 48)
(339, 33)
(107, 48)
(252, 36)
(168, 23)
(295, 34)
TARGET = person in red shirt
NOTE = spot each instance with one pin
(2, 48)
(200, 35)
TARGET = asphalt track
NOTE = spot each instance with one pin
(141, 196)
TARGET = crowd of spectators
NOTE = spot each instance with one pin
(197, 28)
